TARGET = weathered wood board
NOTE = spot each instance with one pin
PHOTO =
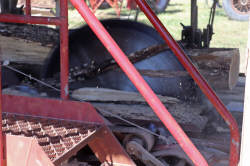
(220, 66)
(132, 106)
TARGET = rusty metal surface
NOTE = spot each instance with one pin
(24, 151)
(103, 144)
(51, 108)
(58, 138)
(108, 150)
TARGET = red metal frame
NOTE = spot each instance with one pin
(28, 8)
(61, 21)
(139, 83)
(1, 134)
(95, 4)
(11, 18)
(198, 78)
(149, 95)
(64, 49)
(57, 109)
(105, 146)
(132, 73)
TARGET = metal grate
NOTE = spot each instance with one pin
(58, 138)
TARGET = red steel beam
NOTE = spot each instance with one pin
(64, 59)
(139, 83)
(1, 132)
(61, 21)
(11, 18)
(198, 78)
(28, 7)
(105, 146)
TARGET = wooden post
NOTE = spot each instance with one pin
(245, 137)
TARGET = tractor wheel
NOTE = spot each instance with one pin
(237, 9)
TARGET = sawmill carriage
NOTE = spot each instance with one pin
(41, 130)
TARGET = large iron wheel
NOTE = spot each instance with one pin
(237, 9)
(86, 50)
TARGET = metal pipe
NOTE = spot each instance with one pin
(11, 18)
(64, 59)
(206, 89)
(194, 20)
(1, 132)
(139, 82)
(27, 7)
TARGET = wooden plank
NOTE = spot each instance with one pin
(111, 95)
(26, 43)
(130, 105)
(220, 66)
(22, 51)
(186, 116)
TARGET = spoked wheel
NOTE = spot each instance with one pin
(237, 9)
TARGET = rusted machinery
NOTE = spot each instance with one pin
(63, 127)
(235, 9)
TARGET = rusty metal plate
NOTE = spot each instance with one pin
(59, 139)
(24, 151)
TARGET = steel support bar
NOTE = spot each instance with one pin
(64, 59)
(206, 89)
(61, 21)
(1, 133)
(139, 82)
(28, 7)
(11, 18)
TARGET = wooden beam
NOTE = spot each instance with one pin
(220, 66)
(131, 106)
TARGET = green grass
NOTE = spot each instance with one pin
(228, 33)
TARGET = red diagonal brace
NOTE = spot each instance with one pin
(139, 83)
(1, 133)
(206, 89)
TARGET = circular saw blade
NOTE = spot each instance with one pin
(86, 49)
